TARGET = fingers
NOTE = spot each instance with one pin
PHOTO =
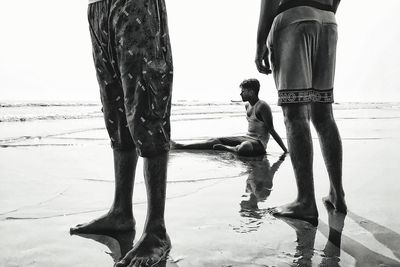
(262, 61)
(263, 68)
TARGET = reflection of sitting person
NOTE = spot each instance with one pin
(260, 126)
(259, 182)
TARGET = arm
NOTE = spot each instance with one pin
(267, 15)
(276, 165)
(278, 139)
(266, 115)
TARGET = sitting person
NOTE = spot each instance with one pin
(260, 126)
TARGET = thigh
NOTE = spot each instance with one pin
(251, 147)
(111, 92)
(232, 140)
(292, 61)
(144, 59)
(325, 60)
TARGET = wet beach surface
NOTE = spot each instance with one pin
(56, 171)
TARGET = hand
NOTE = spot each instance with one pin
(262, 61)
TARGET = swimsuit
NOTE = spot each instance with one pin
(302, 44)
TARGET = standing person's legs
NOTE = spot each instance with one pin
(154, 244)
(322, 115)
(143, 56)
(297, 121)
(331, 146)
(120, 217)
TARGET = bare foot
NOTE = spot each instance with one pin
(107, 223)
(297, 210)
(336, 202)
(150, 250)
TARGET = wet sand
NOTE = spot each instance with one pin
(60, 174)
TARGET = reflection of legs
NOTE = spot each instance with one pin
(362, 255)
(120, 217)
(154, 243)
(305, 235)
(331, 146)
(333, 246)
(301, 154)
(119, 243)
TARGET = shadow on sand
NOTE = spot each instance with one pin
(337, 242)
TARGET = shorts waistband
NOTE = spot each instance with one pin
(310, 3)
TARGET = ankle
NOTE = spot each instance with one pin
(156, 227)
(120, 212)
(307, 201)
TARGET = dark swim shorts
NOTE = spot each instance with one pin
(132, 56)
(303, 43)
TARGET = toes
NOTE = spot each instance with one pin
(128, 260)
(121, 263)
(75, 229)
(137, 263)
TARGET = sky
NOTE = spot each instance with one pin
(45, 51)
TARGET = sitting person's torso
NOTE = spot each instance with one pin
(256, 127)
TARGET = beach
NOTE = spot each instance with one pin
(56, 171)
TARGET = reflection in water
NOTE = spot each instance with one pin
(305, 233)
(258, 188)
(121, 243)
(259, 181)
(118, 243)
(363, 256)
(337, 242)
(333, 245)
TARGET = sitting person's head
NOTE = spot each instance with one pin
(250, 89)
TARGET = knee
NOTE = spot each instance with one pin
(296, 114)
(322, 116)
(322, 122)
(214, 141)
(245, 149)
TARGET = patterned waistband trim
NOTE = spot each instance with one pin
(309, 95)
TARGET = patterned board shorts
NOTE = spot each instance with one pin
(303, 55)
(133, 61)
